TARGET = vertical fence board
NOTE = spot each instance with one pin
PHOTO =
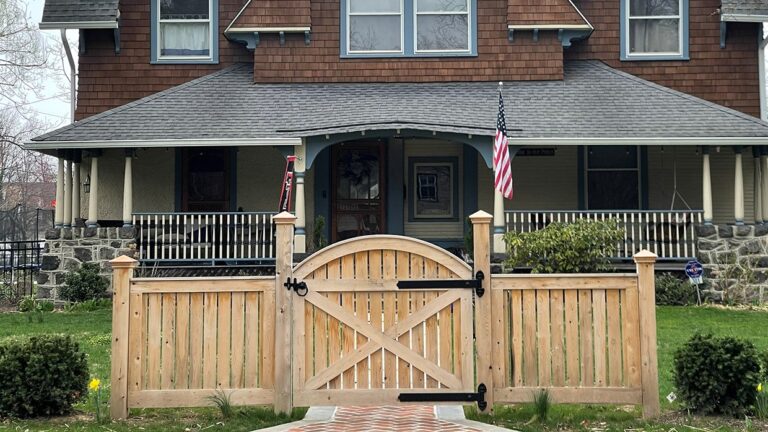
(182, 341)
(238, 339)
(196, 341)
(631, 337)
(530, 368)
(209, 340)
(517, 338)
(402, 270)
(598, 310)
(168, 344)
(572, 345)
(252, 351)
(613, 312)
(586, 338)
(224, 341)
(153, 341)
(544, 349)
(558, 347)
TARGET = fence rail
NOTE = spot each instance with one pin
(195, 237)
(20, 262)
(669, 234)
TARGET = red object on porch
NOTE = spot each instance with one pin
(285, 194)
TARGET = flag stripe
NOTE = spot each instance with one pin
(501, 161)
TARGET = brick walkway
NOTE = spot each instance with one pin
(416, 418)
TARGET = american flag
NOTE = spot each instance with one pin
(501, 162)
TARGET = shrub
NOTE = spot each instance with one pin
(716, 375)
(31, 304)
(764, 365)
(673, 291)
(578, 247)
(84, 284)
(41, 376)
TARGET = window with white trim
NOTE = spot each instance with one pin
(391, 28)
(184, 30)
(654, 29)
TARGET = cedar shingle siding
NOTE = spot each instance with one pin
(275, 13)
(543, 12)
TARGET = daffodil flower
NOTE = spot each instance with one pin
(96, 383)
(760, 387)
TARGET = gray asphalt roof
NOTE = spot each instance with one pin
(79, 11)
(593, 101)
(744, 7)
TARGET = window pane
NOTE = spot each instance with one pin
(654, 7)
(434, 191)
(185, 39)
(374, 33)
(357, 6)
(441, 5)
(654, 35)
(613, 190)
(442, 32)
(612, 157)
(184, 9)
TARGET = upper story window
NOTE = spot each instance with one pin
(654, 30)
(392, 28)
(184, 31)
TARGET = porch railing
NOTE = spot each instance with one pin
(211, 237)
(669, 234)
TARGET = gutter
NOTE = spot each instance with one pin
(84, 25)
(192, 142)
(743, 18)
(659, 141)
(762, 43)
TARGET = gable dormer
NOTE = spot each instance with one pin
(561, 16)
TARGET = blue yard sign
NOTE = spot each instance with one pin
(695, 272)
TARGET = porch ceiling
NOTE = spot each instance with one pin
(593, 104)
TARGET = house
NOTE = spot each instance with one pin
(646, 111)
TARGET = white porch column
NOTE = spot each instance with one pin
(738, 188)
(59, 210)
(764, 178)
(128, 190)
(75, 193)
(757, 186)
(93, 195)
(498, 222)
(300, 167)
(67, 221)
(706, 186)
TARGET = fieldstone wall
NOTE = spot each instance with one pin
(735, 259)
(68, 248)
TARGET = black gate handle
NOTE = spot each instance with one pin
(300, 288)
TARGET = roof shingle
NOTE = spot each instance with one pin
(68, 11)
(744, 7)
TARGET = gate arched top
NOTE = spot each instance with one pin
(383, 242)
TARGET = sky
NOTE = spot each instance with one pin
(53, 105)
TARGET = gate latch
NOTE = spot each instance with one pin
(300, 287)
(476, 284)
(478, 397)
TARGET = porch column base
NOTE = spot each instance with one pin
(299, 243)
(498, 243)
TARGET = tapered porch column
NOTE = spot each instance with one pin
(764, 179)
(93, 197)
(75, 193)
(498, 222)
(757, 185)
(58, 217)
(706, 182)
(300, 167)
(67, 221)
(738, 188)
(128, 189)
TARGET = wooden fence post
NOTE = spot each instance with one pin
(122, 268)
(481, 232)
(646, 285)
(284, 223)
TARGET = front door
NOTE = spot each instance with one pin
(205, 180)
(358, 190)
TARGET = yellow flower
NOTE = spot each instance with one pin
(94, 384)
(760, 387)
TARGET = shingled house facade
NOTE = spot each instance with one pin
(644, 110)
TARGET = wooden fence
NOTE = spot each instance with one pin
(585, 338)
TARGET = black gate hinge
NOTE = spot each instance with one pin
(476, 284)
(478, 397)
(299, 287)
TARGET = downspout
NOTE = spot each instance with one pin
(73, 80)
(762, 43)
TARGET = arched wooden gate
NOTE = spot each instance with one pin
(359, 339)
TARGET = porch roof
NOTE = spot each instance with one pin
(592, 104)
(80, 14)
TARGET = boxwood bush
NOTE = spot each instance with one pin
(84, 284)
(579, 247)
(41, 376)
(717, 375)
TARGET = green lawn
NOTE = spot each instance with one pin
(675, 325)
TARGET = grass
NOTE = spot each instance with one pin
(93, 330)
(675, 325)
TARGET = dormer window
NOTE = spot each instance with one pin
(184, 31)
(654, 29)
(413, 28)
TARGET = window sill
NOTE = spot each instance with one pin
(408, 56)
(184, 61)
(684, 57)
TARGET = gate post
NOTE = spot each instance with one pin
(284, 223)
(481, 233)
(649, 372)
(122, 268)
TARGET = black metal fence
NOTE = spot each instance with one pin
(20, 261)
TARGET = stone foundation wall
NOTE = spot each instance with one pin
(68, 248)
(735, 259)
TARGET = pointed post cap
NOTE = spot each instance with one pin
(124, 261)
(645, 257)
(284, 218)
(481, 217)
